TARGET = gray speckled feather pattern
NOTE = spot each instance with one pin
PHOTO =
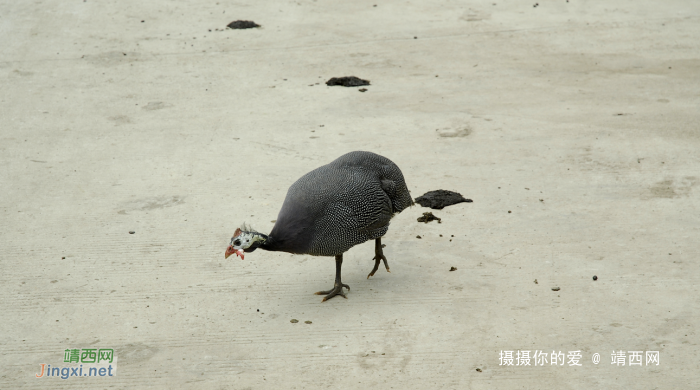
(339, 205)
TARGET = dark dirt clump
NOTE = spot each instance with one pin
(427, 217)
(348, 81)
(440, 199)
(453, 269)
(242, 24)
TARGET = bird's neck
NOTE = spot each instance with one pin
(265, 242)
(270, 244)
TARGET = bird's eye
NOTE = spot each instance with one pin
(237, 242)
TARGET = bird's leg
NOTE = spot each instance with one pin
(378, 256)
(338, 287)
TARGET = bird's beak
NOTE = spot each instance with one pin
(230, 251)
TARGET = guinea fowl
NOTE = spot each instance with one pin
(331, 209)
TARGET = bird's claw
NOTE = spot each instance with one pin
(337, 290)
(377, 258)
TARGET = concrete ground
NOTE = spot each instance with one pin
(574, 127)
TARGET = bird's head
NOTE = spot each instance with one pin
(244, 241)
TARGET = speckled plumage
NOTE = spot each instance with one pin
(339, 205)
